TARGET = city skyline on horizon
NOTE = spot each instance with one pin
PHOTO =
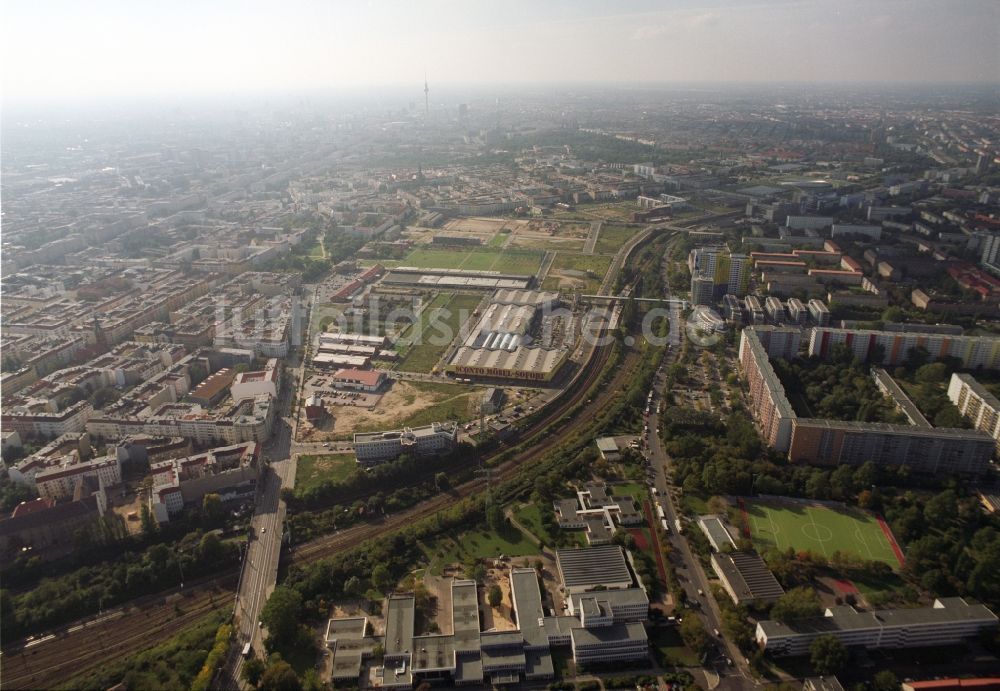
(65, 53)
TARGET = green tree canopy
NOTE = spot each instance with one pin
(252, 671)
(797, 603)
(279, 676)
(694, 634)
(828, 655)
(282, 613)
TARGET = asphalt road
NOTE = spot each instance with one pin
(682, 559)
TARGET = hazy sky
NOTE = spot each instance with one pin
(67, 50)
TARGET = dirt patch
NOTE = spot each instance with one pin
(400, 402)
(478, 226)
(128, 507)
(497, 618)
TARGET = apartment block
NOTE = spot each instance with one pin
(833, 442)
(973, 351)
(976, 403)
(948, 622)
(377, 447)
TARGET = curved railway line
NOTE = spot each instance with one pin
(351, 537)
(73, 650)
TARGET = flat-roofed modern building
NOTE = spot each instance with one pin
(608, 448)
(939, 450)
(606, 628)
(746, 578)
(949, 621)
(350, 645)
(716, 532)
(819, 312)
(377, 447)
(605, 644)
(581, 570)
(628, 605)
(773, 412)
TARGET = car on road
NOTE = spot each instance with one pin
(701, 593)
(264, 530)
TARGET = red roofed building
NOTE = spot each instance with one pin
(358, 379)
(26, 507)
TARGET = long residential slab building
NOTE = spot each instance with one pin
(976, 403)
(948, 622)
(895, 346)
(833, 442)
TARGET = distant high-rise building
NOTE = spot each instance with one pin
(990, 255)
(726, 272)
(463, 113)
(427, 102)
(982, 162)
(702, 289)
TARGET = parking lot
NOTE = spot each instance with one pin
(320, 385)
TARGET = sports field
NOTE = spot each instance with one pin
(819, 529)
(506, 261)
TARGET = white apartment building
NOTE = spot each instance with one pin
(976, 403)
(60, 481)
(377, 447)
(949, 621)
(252, 384)
(31, 423)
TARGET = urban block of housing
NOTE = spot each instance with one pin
(920, 447)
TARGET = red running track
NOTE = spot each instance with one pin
(657, 552)
(892, 540)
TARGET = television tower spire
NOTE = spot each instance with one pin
(427, 103)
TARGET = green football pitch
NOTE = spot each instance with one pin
(504, 261)
(818, 529)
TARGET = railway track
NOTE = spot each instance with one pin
(346, 539)
(82, 647)
(329, 545)
(77, 649)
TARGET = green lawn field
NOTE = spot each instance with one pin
(477, 544)
(612, 238)
(425, 342)
(819, 529)
(312, 469)
(591, 267)
(506, 261)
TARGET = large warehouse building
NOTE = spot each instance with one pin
(500, 345)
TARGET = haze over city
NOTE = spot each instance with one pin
(69, 51)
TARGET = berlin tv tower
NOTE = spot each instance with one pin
(427, 103)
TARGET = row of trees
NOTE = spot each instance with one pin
(56, 600)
